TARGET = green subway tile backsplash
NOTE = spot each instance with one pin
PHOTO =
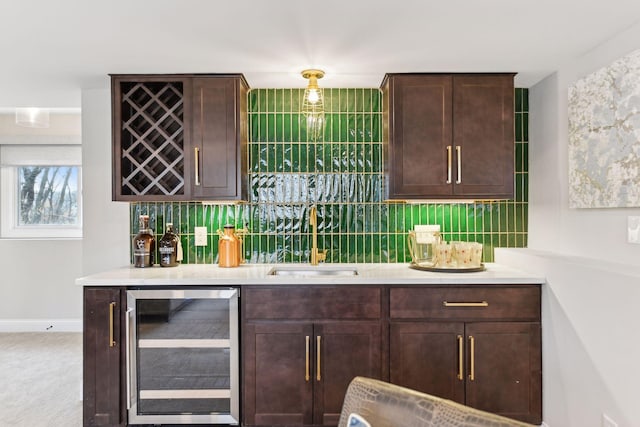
(341, 173)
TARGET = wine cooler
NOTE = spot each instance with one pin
(182, 356)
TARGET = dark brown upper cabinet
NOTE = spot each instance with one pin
(449, 136)
(179, 137)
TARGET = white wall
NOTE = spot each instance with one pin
(590, 313)
(37, 276)
(599, 233)
(37, 285)
(106, 224)
(590, 349)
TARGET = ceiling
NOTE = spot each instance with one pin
(51, 50)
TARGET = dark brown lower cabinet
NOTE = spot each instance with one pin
(489, 359)
(103, 348)
(426, 357)
(490, 366)
(277, 386)
(301, 346)
(297, 373)
(344, 350)
(507, 369)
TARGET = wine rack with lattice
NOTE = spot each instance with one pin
(152, 138)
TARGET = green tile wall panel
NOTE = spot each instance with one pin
(342, 174)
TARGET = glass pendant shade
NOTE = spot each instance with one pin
(32, 117)
(313, 101)
(313, 104)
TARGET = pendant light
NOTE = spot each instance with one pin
(313, 101)
(313, 104)
(32, 117)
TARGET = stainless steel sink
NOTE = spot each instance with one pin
(313, 271)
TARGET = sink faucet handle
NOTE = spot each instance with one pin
(313, 216)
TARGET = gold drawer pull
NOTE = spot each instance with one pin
(306, 359)
(460, 357)
(465, 304)
(448, 164)
(472, 350)
(319, 352)
(459, 157)
(112, 342)
(196, 156)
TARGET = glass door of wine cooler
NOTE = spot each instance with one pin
(182, 356)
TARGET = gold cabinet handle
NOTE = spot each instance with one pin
(307, 376)
(448, 164)
(196, 152)
(460, 357)
(459, 159)
(472, 364)
(112, 307)
(465, 304)
(318, 352)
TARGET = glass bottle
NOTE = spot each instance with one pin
(144, 244)
(228, 247)
(170, 248)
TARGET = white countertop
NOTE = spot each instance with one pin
(257, 274)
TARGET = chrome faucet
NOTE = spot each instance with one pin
(316, 255)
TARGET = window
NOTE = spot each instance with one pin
(41, 191)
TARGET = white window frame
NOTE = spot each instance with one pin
(14, 156)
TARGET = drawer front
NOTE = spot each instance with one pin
(521, 302)
(312, 302)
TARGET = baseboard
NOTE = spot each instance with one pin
(544, 424)
(40, 325)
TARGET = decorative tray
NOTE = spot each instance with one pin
(447, 269)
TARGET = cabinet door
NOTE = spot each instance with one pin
(428, 357)
(278, 382)
(420, 135)
(343, 350)
(483, 135)
(103, 400)
(505, 369)
(218, 153)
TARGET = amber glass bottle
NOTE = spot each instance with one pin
(144, 244)
(170, 248)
